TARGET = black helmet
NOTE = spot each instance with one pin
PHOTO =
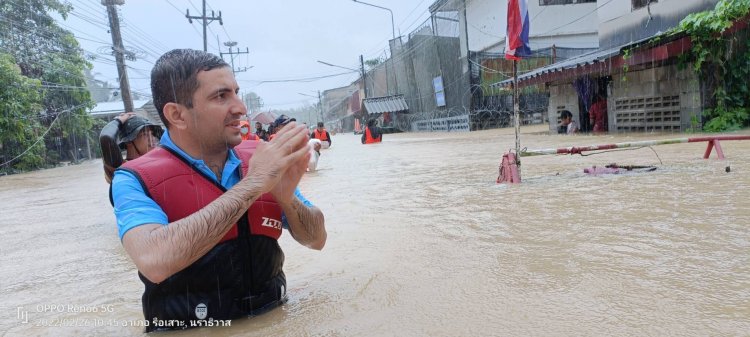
(130, 129)
(282, 120)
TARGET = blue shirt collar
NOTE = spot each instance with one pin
(230, 174)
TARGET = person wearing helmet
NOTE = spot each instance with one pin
(137, 135)
(278, 124)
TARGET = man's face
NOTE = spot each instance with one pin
(258, 126)
(217, 110)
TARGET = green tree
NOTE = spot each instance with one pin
(372, 63)
(20, 104)
(722, 63)
(46, 52)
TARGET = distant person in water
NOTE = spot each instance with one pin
(137, 135)
(567, 124)
(245, 131)
(322, 134)
(598, 114)
(372, 133)
(278, 124)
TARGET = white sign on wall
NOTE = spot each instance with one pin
(437, 83)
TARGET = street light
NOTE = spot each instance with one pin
(333, 65)
(393, 27)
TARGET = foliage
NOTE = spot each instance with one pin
(50, 54)
(723, 63)
(372, 63)
(726, 120)
(20, 104)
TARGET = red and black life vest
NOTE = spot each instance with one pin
(323, 136)
(241, 276)
(369, 139)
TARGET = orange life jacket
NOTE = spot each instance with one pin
(369, 139)
(249, 135)
(323, 136)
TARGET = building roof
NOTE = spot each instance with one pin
(609, 60)
(108, 108)
(377, 105)
(571, 63)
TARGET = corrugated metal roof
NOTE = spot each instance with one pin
(376, 105)
(116, 107)
(571, 63)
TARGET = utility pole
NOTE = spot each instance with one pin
(362, 69)
(231, 54)
(320, 107)
(119, 51)
(206, 21)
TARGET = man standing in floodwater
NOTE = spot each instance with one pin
(200, 215)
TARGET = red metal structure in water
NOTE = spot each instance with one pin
(509, 169)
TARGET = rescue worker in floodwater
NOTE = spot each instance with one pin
(201, 214)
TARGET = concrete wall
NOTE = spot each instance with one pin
(424, 58)
(336, 101)
(656, 99)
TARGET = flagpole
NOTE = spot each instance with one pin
(516, 115)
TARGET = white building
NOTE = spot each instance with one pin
(563, 23)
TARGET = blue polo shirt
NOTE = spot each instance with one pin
(134, 208)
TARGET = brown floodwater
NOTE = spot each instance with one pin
(422, 242)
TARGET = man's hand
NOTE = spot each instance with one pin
(284, 190)
(123, 117)
(288, 151)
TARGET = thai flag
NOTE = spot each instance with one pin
(517, 34)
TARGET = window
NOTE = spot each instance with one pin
(562, 2)
(641, 3)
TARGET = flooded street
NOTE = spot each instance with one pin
(422, 242)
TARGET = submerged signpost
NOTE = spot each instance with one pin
(516, 47)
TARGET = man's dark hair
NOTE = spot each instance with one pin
(320, 124)
(565, 114)
(174, 78)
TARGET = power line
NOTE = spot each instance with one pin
(40, 138)
(307, 79)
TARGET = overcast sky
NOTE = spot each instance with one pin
(285, 39)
